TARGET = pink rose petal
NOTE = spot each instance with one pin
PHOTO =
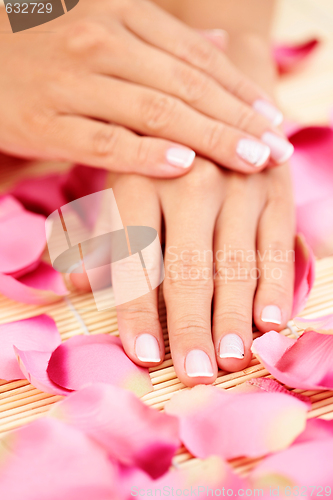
(37, 333)
(323, 324)
(82, 180)
(48, 193)
(198, 479)
(316, 429)
(41, 194)
(304, 274)
(313, 186)
(33, 365)
(305, 468)
(49, 460)
(132, 432)
(218, 422)
(22, 237)
(305, 363)
(85, 360)
(268, 385)
(288, 57)
(41, 286)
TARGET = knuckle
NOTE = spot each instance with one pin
(244, 117)
(235, 265)
(144, 151)
(203, 179)
(139, 314)
(104, 142)
(199, 53)
(233, 316)
(157, 111)
(193, 85)
(185, 275)
(83, 36)
(194, 327)
(213, 137)
(277, 287)
(240, 86)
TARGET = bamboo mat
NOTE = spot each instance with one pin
(307, 97)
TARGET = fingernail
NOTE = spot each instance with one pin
(281, 149)
(231, 346)
(180, 157)
(197, 364)
(271, 314)
(269, 111)
(147, 349)
(253, 152)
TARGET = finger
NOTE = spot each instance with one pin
(188, 284)
(186, 44)
(115, 148)
(274, 296)
(138, 320)
(153, 113)
(235, 274)
(156, 69)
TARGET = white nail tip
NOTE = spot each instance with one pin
(200, 374)
(281, 149)
(231, 346)
(253, 152)
(180, 157)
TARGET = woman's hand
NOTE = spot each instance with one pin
(230, 239)
(123, 85)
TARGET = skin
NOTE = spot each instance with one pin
(204, 212)
(109, 87)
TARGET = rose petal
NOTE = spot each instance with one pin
(22, 237)
(305, 363)
(84, 360)
(313, 186)
(316, 429)
(41, 194)
(48, 193)
(304, 274)
(287, 57)
(82, 180)
(33, 365)
(37, 333)
(268, 385)
(308, 466)
(196, 480)
(217, 422)
(41, 286)
(51, 460)
(323, 324)
(132, 432)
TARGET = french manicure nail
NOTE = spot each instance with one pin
(253, 152)
(271, 314)
(281, 149)
(231, 346)
(198, 364)
(147, 349)
(180, 157)
(269, 111)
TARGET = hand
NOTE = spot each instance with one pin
(113, 69)
(229, 238)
